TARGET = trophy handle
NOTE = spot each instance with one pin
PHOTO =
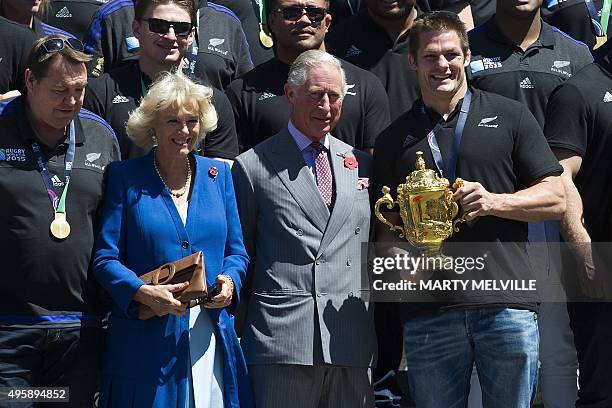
(455, 207)
(457, 222)
(387, 199)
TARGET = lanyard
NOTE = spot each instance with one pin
(59, 206)
(449, 173)
(600, 26)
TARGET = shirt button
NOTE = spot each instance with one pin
(357, 230)
(348, 262)
(299, 232)
(185, 244)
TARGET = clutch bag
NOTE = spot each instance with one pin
(188, 269)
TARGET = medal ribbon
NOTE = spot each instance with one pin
(263, 17)
(449, 173)
(600, 26)
(59, 206)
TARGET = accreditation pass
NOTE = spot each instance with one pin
(34, 394)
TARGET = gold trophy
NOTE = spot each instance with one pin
(426, 208)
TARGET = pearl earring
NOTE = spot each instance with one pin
(153, 138)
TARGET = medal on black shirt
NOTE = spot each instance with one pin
(264, 38)
(59, 227)
(264, 35)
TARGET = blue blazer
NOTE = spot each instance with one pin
(146, 363)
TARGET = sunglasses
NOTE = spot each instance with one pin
(159, 26)
(53, 45)
(294, 13)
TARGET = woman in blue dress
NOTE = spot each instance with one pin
(158, 209)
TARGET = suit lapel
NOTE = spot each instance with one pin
(345, 184)
(163, 191)
(290, 167)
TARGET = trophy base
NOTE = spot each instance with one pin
(434, 259)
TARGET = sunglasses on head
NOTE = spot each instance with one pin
(53, 45)
(159, 26)
(294, 13)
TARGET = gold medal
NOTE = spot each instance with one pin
(60, 228)
(264, 38)
(600, 41)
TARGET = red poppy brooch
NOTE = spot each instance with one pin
(213, 172)
(350, 162)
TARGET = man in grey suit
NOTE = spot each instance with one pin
(304, 205)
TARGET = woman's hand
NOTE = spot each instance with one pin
(161, 299)
(224, 298)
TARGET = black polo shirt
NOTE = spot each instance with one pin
(262, 110)
(504, 149)
(117, 93)
(222, 48)
(222, 53)
(579, 118)
(246, 11)
(45, 281)
(72, 16)
(502, 67)
(482, 10)
(362, 42)
(15, 43)
(573, 18)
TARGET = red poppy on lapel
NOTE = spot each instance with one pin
(350, 162)
(212, 172)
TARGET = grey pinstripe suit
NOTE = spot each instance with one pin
(305, 262)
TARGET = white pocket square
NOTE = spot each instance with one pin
(363, 183)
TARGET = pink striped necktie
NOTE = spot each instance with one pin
(325, 181)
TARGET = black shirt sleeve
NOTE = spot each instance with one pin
(567, 117)
(15, 44)
(234, 95)
(241, 51)
(376, 108)
(532, 156)
(106, 38)
(96, 96)
(386, 153)
(222, 142)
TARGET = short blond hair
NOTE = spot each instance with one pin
(171, 90)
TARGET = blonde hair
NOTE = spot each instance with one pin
(171, 90)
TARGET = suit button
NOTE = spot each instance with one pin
(348, 262)
(317, 262)
(299, 232)
(319, 295)
(357, 230)
(185, 244)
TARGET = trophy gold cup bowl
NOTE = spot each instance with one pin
(425, 207)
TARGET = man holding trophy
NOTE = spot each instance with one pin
(509, 177)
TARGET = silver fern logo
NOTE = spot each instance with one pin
(486, 122)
